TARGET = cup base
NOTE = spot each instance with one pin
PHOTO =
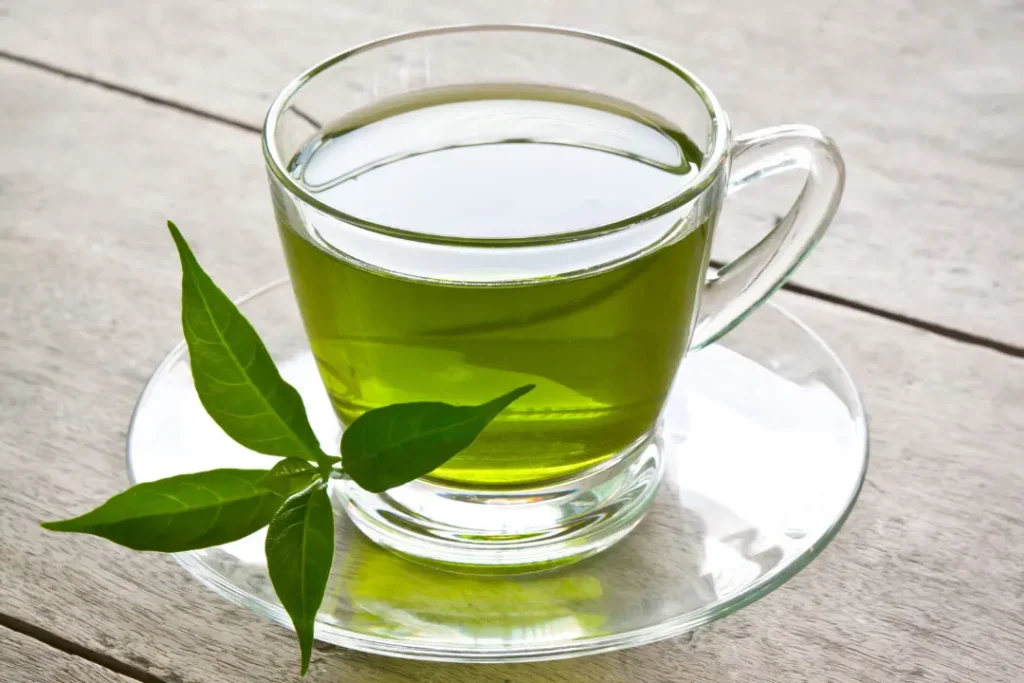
(508, 531)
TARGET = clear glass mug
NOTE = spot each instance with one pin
(465, 210)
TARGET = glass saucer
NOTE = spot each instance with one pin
(766, 451)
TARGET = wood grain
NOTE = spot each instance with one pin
(924, 100)
(924, 584)
(24, 660)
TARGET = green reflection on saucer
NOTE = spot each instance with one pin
(391, 595)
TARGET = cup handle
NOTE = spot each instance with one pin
(741, 285)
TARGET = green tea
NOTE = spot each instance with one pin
(602, 345)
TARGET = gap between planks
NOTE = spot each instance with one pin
(64, 645)
(835, 299)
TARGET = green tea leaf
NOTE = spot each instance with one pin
(181, 513)
(235, 377)
(393, 445)
(289, 476)
(300, 550)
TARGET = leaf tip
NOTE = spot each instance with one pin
(56, 525)
(175, 233)
(514, 395)
(179, 239)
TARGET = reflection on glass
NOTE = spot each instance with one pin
(389, 595)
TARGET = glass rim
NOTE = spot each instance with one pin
(708, 172)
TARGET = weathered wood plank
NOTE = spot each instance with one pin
(24, 660)
(924, 103)
(922, 585)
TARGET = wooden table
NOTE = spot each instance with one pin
(115, 115)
